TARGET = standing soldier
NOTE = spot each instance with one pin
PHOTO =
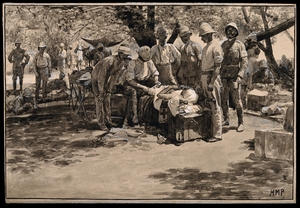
(62, 58)
(234, 65)
(212, 56)
(42, 69)
(166, 58)
(17, 58)
(190, 70)
(104, 77)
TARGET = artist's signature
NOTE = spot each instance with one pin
(276, 192)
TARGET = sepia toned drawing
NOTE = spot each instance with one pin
(149, 102)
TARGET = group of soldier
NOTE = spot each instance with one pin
(217, 70)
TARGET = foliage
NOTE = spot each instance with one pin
(54, 24)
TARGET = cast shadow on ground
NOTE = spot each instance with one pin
(252, 179)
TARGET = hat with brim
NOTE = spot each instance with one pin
(185, 31)
(262, 64)
(232, 24)
(161, 32)
(42, 45)
(27, 93)
(124, 48)
(144, 53)
(205, 28)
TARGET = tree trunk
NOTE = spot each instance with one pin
(275, 30)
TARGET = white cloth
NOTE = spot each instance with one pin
(157, 101)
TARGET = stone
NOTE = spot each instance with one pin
(274, 143)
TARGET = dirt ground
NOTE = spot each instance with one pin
(56, 156)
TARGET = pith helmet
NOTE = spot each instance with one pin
(232, 24)
(185, 31)
(205, 28)
(100, 46)
(27, 92)
(263, 64)
(42, 45)
(124, 48)
(161, 32)
(144, 52)
(62, 45)
(18, 40)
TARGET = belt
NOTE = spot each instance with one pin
(42, 67)
(207, 72)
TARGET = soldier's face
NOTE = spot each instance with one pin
(206, 38)
(185, 38)
(231, 32)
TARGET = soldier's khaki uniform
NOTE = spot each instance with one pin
(234, 65)
(19, 57)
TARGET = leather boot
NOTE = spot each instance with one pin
(21, 84)
(14, 84)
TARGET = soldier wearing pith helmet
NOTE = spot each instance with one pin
(19, 58)
(191, 51)
(234, 65)
(212, 57)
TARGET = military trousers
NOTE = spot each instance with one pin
(213, 98)
(231, 92)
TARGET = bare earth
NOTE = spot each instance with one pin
(55, 156)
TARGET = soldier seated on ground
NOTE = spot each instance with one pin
(24, 103)
(263, 75)
(57, 89)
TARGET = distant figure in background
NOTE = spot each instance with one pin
(190, 69)
(70, 59)
(79, 54)
(70, 65)
(285, 63)
(19, 57)
(62, 58)
(24, 103)
(42, 69)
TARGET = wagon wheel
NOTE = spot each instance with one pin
(79, 98)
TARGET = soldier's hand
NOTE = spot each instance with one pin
(210, 87)
(108, 94)
(198, 89)
(145, 89)
(151, 91)
(36, 74)
(158, 84)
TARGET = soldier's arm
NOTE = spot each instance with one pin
(10, 56)
(49, 62)
(34, 62)
(218, 58)
(177, 57)
(27, 57)
(243, 60)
